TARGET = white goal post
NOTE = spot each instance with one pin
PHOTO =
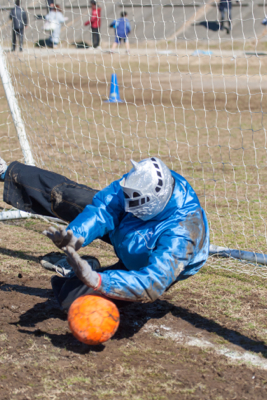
(14, 109)
(190, 88)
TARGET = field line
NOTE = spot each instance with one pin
(245, 357)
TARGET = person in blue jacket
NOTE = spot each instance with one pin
(122, 29)
(151, 216)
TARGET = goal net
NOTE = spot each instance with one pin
(193, 89)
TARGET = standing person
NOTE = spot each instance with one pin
(151, 216)
(50, 5)
(226, 7)
(56, 18)
(95, 22)
(19, 21)
(122, 29)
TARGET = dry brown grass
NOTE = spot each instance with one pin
(217, 140)
(40, 360)
(187, 110)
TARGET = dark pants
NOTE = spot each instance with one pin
(43, 192)
(95, 37)
(67, 290)
(226, 15)
(20, 33)
(49, 43)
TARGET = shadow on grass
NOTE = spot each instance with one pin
(44, 311)
(23, 255)
(210, 25)
(65, 341)
(133, 317)
(38, 292)
(138, 314)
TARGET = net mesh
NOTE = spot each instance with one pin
(194, 93)
(9, 149)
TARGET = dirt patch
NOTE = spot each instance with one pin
(41, 359)
(211, 138)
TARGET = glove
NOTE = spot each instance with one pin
(62, 238)
(82, 269)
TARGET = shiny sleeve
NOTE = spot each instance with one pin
(102, 216)
(166, 263)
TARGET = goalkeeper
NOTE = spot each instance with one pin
(151, 216)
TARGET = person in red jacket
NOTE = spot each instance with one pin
(95, 22)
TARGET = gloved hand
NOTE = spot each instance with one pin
(62, 238)
(82, 269)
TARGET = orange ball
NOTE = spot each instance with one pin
(93, 319)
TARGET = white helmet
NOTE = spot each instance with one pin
(147, 188)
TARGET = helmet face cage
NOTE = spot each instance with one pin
(147, 188)
(133, 197)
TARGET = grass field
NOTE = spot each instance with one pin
(207, 336)
(205, 117)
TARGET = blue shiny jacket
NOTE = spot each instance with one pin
(172, 246)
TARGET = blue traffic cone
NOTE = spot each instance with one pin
(114, 94)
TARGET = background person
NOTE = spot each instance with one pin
(19, 21)
(50, 5)
(264, 21)
(151, 216)
(56, 18)
(122, 29)
(225, 8)
(95, 22)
